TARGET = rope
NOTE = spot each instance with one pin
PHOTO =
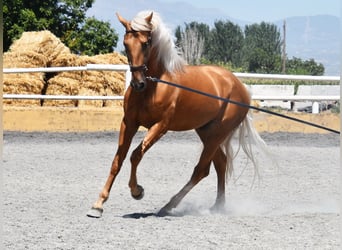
(153, 79)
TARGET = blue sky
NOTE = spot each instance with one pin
(178, 12)
(246, 10)
(268, 10)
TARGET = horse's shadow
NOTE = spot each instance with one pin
(139, 215)
(146, 215)
(193, 211)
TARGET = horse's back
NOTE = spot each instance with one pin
(215, 80)
(193, 110)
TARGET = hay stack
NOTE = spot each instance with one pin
(41, 42)
(28, 83)
(114, 82)
(91, 84)
(104, 83)
(64, 83)
(33, 49)
(99, 83)
(43, 49)
(111, 58)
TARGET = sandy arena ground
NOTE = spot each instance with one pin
(52, 179)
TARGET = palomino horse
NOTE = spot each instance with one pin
(160, 107)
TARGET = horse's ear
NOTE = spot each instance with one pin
(149, 18)
(122, 20)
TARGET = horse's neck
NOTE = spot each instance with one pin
(155, 67)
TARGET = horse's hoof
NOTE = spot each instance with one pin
(217, 209)
(163, 212)
(95, 212)
(141, 193)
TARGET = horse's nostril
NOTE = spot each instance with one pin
(138, 86)
(142, 86)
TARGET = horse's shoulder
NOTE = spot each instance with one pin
(214, 69)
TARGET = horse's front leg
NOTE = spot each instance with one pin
(125, 139)
(152, 136)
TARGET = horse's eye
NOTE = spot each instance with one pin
(145, 45)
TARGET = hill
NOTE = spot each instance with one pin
(314, 37)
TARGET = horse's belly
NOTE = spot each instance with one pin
(192, 118)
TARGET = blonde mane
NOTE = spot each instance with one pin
(162, 41)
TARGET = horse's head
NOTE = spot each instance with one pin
(137, 42)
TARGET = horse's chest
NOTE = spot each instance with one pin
(152, 113)
(146, 114)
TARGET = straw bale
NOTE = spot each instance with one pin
(24, 59)
(27, 83)
(22, 84)
(102, 83)
(41, 42)
(93, 80)
(111, 58)
(43, 49)
(114, 85)
(91, 84)
(32, 50)
(111, 103)
(62, 84)
(113, 82)
(86, 103)
(65, 60)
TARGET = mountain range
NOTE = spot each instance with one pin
(316, 37)
(307, 37)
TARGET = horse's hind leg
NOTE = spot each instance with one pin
(200, 171)
(220, 163)
(211, 152)
(211, 145)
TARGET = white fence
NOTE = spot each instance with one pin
(98, 67)
(279, 96)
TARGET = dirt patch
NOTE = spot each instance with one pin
(52, 179)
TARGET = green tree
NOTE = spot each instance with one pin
(64, 18)
(94, 37)
(20, 16)
(297, 66)
(262, 48)
(226, 40)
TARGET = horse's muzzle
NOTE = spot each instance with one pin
(138, 86)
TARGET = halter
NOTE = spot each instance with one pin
(142, 68)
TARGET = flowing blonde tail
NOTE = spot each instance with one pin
(247, 136)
